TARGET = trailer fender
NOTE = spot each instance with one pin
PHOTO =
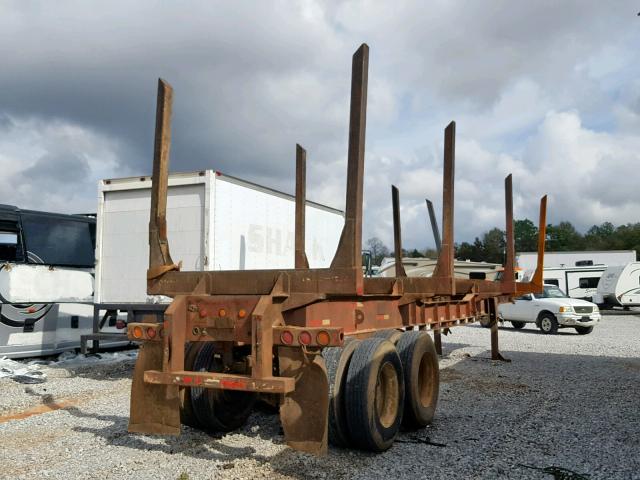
(304, 413)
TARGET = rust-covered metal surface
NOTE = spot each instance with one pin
(282, 319)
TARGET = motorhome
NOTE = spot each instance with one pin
(46, 281)
(576, 282)
(619, 286)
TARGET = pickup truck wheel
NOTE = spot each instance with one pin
(517, 325)
(548, 323)
(337, 360)
(584, 330)
(374, 395)
(421, 378)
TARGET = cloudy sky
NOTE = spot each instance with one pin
(546, 90)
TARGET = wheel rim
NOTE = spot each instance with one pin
(387, 395)
(545, 324)
(425, 381)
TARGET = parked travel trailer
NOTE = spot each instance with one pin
(575, 282)
(214, 222)
(527, 260)
(46, 281)
(619, 286)
(424, 267)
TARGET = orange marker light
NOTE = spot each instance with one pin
(222, 312)
(242, 313)
(137, 332)
(323, 338)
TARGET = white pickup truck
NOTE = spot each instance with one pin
(551, 310)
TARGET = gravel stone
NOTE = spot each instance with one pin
(565, 404)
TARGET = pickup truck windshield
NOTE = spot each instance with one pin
(552, 292)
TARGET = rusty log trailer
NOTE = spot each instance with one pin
(346, 358)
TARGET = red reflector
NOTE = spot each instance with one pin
(304, 338)
(31, 310)
(203, 312)
(151, 332)
(187, 379)
(233, 384)
(286, 337)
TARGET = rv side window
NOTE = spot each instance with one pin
(552, 281)
(477, 275)
(589, 282)
(10, 245)
(60, 241)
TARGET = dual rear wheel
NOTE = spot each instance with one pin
(211, 409)
(378, 384)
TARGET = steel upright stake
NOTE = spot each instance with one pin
(434, 226)
(397, 232)
(349, 251)
(159, 256)
(444, 267)
(509, 264)
(301, 202)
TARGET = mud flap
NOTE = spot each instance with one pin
(155, 409)
(305, 411)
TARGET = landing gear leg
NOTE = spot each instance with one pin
(437, 340)
(495, 352)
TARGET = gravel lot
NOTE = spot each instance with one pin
(564, 402)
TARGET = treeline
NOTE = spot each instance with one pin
(560, 237)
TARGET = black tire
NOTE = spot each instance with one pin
(337, 361)
(374, 395)
(421, 378)
(517, 325)
(392, 335)
(216, 409)
(187, 415)
(548, 324)
(584, 330)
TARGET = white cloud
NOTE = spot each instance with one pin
(53, 166)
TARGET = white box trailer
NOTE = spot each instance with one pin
(214, 222)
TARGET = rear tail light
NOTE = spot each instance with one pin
(286, 337)
(151, 332)
(304, 338)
